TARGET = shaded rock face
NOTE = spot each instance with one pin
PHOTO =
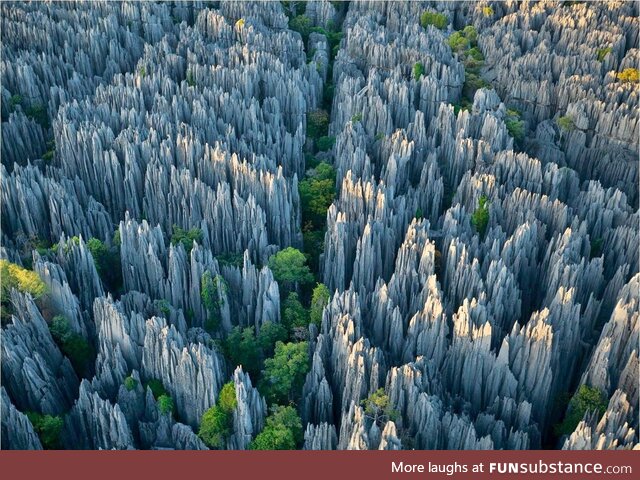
(151, 160)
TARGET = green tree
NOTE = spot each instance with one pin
(603, 52)
(586, 399)
(418, 70)
(378, 407)
(284, 374)
(165, 405)
(317, 191)
(438, 20)
(48, 428)
(74, 346)
(212, 290)
(317, 123)
(302, 25)
(270, 334)
(242, 348)
(282, 431)
(480, 217)
(293, 312)
(514, 125)
(216, 424)
(325, 143)
(107, 262)
(157, 388)
(186, 237)
(566, 123)
(130, 383)
(289, 267)
(458, 42)
(319, 299)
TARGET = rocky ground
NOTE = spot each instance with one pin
(461, 179)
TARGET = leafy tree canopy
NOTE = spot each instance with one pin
(289, 266)
(186, 237)
(319, 298)
(438, 20)
(283, 431)
(48, 428)
(378, 407)
(217, 422)
(480, 217)
(284, 374)
(586, 399)
(293, 313)
(165, 404)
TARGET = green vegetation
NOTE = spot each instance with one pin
(629, 75)
(566, 123)
(48, 428)
(212, 290)
(241, 347)
(230, 259)
(217, 422)
(165, 405)
(294, 316)
(15, 100)
(142, 71)
(319, 299)
(317, 191)
(596, 247)
(603, 52)
(282, 431)
(74, 346)
(289, 267)
(130, 383)
(378, 407)
(317, 124)
(464, 43)
(186, 237)
(418, 70)
(284, 374)
(157, 388)
(51, 150)
(356, 118)
(302, 25)
(325, 143)
(458, 42)
(480, 217)
(36, 111)
(586, 399)
(190, 80)
(418, 215)
(270, 334)
(438, 20)
(515, 126)
(107, 262)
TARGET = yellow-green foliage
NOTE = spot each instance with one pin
(629, 75)
(438, 20)
(487, 11)
(26, 281)
(603, 52)
(566, 123)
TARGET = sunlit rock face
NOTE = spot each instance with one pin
(480, 251)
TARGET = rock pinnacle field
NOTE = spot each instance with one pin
(319, 225)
